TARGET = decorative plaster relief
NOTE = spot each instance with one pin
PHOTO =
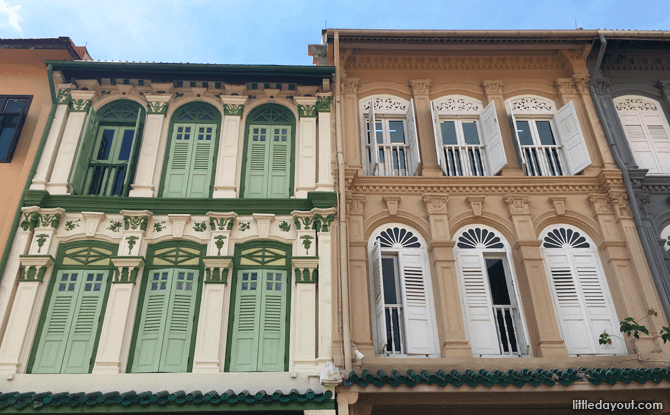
(600, 204)
(532, 105)
(349, 85)
(619, 202)
(435, 203)
(461, 105)
(355, 204)
(635, 104)
(518, 204)
(494, 87)
(420, 86)
(387, 105)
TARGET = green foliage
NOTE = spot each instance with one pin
(605, 338)
(629, 325)
(665, 334)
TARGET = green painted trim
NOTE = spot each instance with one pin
(292, 123)
(307, 111)
(148, 267)
(323, 103)
(217, 135)
(157, 108)
(79, 105)
(30, 273)
(164, 206)
(63, 96)
(322, 200)
(233, 284)
(233, 109)
(58, 266)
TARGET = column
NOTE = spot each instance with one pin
(144, 186)
(420, 91)
(305, 149)
(80, 103)
(115, 325)
(304, 327)
(48, 158)
(323, 219)
(448, 310)
(535, 292)
(228, 158)
(325, 180)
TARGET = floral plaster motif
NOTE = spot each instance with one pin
(383, 105)
(635, 104)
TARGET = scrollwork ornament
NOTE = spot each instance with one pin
(518, 204)
(349, 85)
(420, 86)
(581, 81)
(355, 204)
(459, 105)
(436, 204)
(493, 87)
(157, 107)
(635, 104)
(384, 105)
(619, 202)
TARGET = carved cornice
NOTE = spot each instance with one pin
(349, 85)
(420, 86)
(493, 87)
(355, 204)
(518, 204)
(645, 62)
(507, 62)
(436, 203)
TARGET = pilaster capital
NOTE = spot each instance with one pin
(306, 269)
(80, 101)
(619, 202)
(600, 204)
(217, 269)
(420, 86)
(221, 221)
(518, 204)
(34, 267)
(642, 201)
(157, 104)
(304, 220)
(436, 203)
(602, 86)
(31, 218)
(349, 85)
(323, 219)
(581, 82)
(355, 203)
(136, 220)
(63, 96)
(306, 106)
(127, 269)
(664, 86)
(492, 87)
(323, 100)
(50, 218)
(565, 86)
(233, 105)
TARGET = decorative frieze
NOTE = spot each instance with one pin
(386, 105)
(435, 203)
(420, 86)
(306, 269)
(532, 105)
(507, 62)
(127, 269)
(34, 267)
(518, 204)
(459, 106)
(217, 269)
(635, 104)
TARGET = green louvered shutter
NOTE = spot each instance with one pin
(88, 315)
(280, 162)
(273, 322)
(244, 344)
(84, 155)
(179, 327)
(256, 180)
(152, 324)
(202, 161)
(179, 163)
(52, 345)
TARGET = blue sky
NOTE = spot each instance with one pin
(277, 32)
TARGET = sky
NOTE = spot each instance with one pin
(278, 32)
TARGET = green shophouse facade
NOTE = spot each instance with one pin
(175, 240)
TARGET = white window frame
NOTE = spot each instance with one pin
(389, 147)
(665, 235)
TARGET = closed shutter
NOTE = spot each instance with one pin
(495, 151)
(658, 132)
(478, 305)
(417, 304)
(202, 161)
(152, 324)
(437, 132)
(272, 339)
(88, 316)
(639, 143)
(280, 162)
(179, 322)
(412, 140)
(244, 344)
(515, 137)
(59, 319)
(179, 162)
(84, 154)
(258, 154)
(572, 139)
(374, 146)
(378, 297)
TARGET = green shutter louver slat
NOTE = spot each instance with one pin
(280, 162)
(244, 344)
(152, 324)
(52, 343)
(202, 161)
(272, 322)
(179, 321)
(179, 163)
(257, 162)
(84, 154)
(86, 321)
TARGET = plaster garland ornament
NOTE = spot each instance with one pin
(244, 226)
(307, 242)
(463, 105)
(420, 86)
(494, 87)
(159, 226)
(600, 204)
(635, 104)
(71, 224)
(219, 241)
(518, 204)
(114, 225)
(386, 104)
(200, 226)
(532, 105)
(435, 203)
(41, 239)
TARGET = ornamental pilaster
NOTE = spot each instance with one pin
(224, 178)
(135, 225)
(305, 279)
(325, 177)
(619, 202)
(305, 243)
(349, 85)
(305, 176)
(420, 86)
(424, 126)
(492, 88)
(566, 89)
(221, 224)
(46, 223)
(323, 219)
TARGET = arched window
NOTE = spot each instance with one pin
(491, 300)
(467, 136)
(395, 149)
(191, 152)
(647, 131)
(581, 297)
(402, 295)
(665, 235)
(73, 309)
(549, 142)
(106, 159)
(167, 319)
(268, 153)
(260, 302)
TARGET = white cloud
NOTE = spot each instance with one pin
(12, 13)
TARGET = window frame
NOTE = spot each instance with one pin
(23, 114)
(386, 140)
(460, 140)
(535, 136)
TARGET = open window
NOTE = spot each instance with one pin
(647, 131)
(491, 299)
(401, 292)
(467, 137)
(13, 113)
(389, 137)
(549, 142)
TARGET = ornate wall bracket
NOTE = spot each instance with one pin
(217, 269)
(559, 204)
(306, 269)
(127, 269)
(476, 203)
(392, 203)
(92, 221)
(34, 267)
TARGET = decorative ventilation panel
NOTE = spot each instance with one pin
(479, 238)
(386, 105)
(398, 238)
(565, 238)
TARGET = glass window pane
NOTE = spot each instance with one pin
(470, 132)
(8, 124)
(497, 282)
(523, 130)
(15, 105)
(378, 132)
(388, 276)
(126, 145)
(546, 135)
(397, 131)
(449, 133)
(105, 144)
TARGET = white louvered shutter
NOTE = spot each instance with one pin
(437, 131)
(495, 151)
(515, 137)
(379, 312)
(202, 161)
(413, 140)
(640, 143)
(374, 146)
(572, 139)
(417, 295)
(179, 163)
(478, 305)
(658, 132)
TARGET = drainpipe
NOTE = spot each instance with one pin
(31, 174)
(344, 265)
(646, 247)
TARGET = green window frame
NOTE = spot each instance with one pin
(268, 158)
(168, 309)
(190, 156)
(109, 149)
(260, 314)
(70, 323)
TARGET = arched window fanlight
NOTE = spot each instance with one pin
(398, 238)
(120, 111)
(565, 238)
(479, 238)
(271, 113)
(196, 114)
